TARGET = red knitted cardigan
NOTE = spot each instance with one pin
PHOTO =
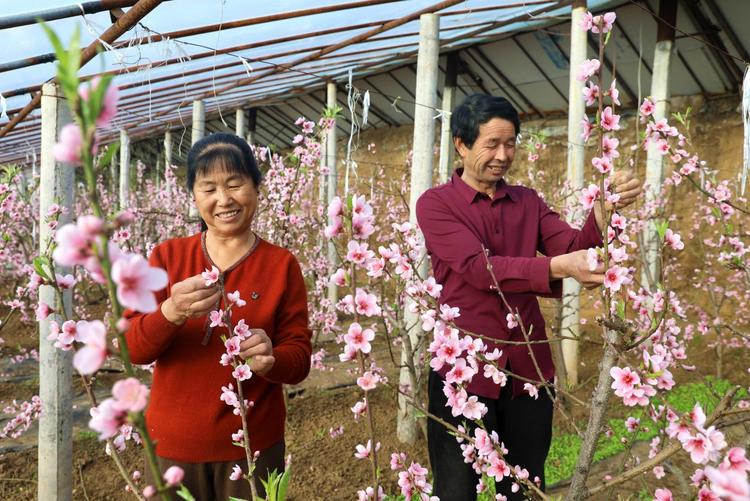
(185, 416)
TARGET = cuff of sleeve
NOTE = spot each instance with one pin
(158, 327)
(539, 274)
(590, 231)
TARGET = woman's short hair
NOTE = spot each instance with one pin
(478, 109)
(223, 150)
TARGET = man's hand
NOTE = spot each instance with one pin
(624, 184)
(627, 186)
(259, 350)
(189, 299)
(575, 265)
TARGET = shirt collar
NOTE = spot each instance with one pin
(470, 194)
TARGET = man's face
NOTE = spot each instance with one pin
(491, 155)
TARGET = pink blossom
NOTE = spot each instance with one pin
(663, 495)
(241, 329)
(610, 120)
(66, 281)
(614, 93)
(625, 380)
(609, 147)
(590, 93)
(234, 298)
(149, 491)
(532, 390)
(735, 460)
(592, 259)
(432, 288)
(334, 228)
(647, 108)
(228, 396)
(587, 21)
(588, 68)
(130, 395)
(586, 128)
(358, 253)
(510, 320)
(398, 460)
(359, 339)
(461, 372)
(336, 207)
(43, 311)
(615, 277)
(658, 471)
(602, 164)
(368, 380)
(217, 318)
(729, 485)
(242, 372)
(339, 278)
(136, 282)
(74, 241)
(107, 418)
(90, 358)
(211, 276)
(673, 240)
(375, 267)
(236, 473)
(109, 102)
(68, 150)
(364, 451)
(473, 408)
(232, 346)
(174, 475)
(448, 313)
(589, 196)
(366, 304)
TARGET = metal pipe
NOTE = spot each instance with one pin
(92, 7)
(123, 24)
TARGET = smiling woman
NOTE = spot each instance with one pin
(189, 380)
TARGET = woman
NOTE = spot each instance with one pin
(192, 428)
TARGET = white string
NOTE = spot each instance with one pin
(365, 107)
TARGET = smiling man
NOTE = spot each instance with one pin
(530, 250)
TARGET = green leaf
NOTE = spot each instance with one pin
(39, 263)
(232, 498)
(284, 484)
(606, 39)
(184, 493)
(109, 153)
(621, 309)
(661, 228)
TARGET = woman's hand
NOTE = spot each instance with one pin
(189, 299)
(259, 350)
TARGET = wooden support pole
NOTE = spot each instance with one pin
(114, 166)
(239, 122)
(447, 149)
(55, 462)
(651, 274)
(421, 180)
(332, 185)
(124, 169)
(569, 325)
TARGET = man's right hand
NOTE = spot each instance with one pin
(575, 265)
(189, 299)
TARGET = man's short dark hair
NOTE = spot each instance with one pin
(478, 109)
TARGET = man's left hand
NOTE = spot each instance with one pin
(259, 351)
(627, 186)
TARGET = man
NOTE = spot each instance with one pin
(477, 209)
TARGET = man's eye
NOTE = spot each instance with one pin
(234, 187)
(209, 190)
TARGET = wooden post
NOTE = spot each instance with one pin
(239, 122)
(421, 180)
(124, 169)
(570, 321)
(199, 121)
(113, 174)
(447, 149)
(332, 184)
(55, 462)
(252, 123)
(651, 274)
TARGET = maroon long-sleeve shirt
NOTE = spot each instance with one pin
(515, 225)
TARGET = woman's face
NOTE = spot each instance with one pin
(226, 201)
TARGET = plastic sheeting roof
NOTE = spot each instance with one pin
(513, 48)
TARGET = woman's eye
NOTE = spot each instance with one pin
(210, 190)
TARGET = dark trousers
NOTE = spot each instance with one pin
(210, 481)
(523, 424)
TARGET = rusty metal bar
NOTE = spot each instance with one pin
(91, 7)
(123, 24)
